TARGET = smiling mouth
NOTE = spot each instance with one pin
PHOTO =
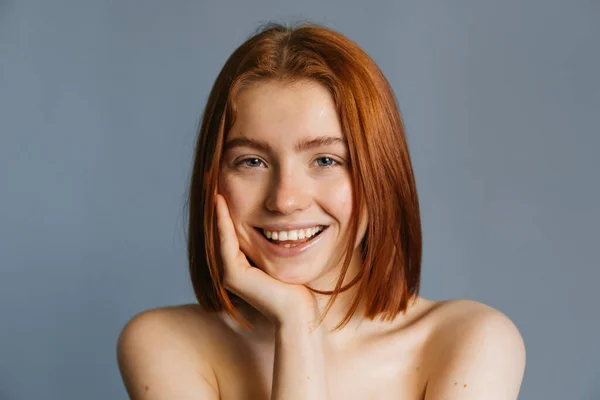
(292, 243)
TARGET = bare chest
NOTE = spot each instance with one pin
(382, 369)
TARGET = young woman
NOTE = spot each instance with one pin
(305, 248)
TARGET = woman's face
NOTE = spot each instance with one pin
(285, 167)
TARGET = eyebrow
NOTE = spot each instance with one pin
(302, 145)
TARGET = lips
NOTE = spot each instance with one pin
(291, 242)
(277, 249)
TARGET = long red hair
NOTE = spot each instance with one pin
(379, 161)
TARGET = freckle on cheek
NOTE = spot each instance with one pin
(146, 388)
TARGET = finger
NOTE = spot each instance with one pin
(227, 236)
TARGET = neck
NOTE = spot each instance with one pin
(343, 301)
(338, 310)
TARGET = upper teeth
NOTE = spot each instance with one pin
(293, 235)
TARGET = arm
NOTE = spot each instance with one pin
(157, 361)
(481, 356)
(299, 367)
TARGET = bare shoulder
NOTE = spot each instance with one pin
(164, 353)
(475, 352)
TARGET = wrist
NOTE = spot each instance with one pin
(299, 321)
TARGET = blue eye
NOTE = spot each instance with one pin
(254, 162)
(250, 162)
(330, 162)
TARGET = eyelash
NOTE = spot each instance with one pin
(240, 163)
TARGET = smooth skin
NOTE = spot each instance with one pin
(451, 350)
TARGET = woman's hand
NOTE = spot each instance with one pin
(279, 301)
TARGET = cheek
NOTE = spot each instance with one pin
(238, 197)
(338, 199)
(339, 205)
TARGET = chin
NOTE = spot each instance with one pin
(296, 272)
(296, 275)
(291, 278)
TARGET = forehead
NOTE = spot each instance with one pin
(282, 111)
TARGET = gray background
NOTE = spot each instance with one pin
(99, 104)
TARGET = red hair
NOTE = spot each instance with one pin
(379, 161)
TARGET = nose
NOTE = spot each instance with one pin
(289, 192)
